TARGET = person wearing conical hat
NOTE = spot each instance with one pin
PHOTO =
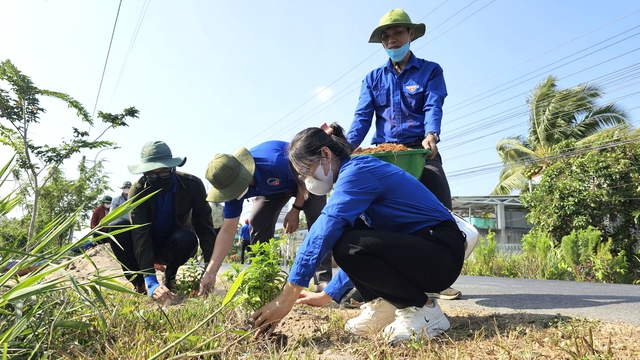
(263, 174)
(406, 95)
(171, 222)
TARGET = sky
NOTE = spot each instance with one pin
(211, 76)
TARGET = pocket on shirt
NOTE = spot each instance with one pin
(414, 100)
(381, 97)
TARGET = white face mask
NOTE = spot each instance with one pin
(243, 193)
(320, 184)
(125, 191)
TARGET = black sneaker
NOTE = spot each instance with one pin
(140, 288)
(320, 286)
(353, 299)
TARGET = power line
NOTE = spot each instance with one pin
(517, 111)
(143, 12)
(533, 77)
(104, 70)
(261, 134)
(550, 50)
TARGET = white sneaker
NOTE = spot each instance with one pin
(426, 320)
(375, 315)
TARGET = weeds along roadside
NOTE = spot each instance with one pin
(579, 257)
(43, 315)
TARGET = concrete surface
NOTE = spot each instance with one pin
(607, 302)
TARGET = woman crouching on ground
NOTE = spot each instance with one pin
(390, 236)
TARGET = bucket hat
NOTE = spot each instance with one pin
(396, 17)
(106, 199)
(126, 184)
(229, 175)
(156, 155)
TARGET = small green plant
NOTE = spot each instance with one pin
(263, 278)
(188, 280)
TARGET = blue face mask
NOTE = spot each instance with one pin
(398, 54)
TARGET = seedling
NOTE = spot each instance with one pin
(263, 279)
(188, 279)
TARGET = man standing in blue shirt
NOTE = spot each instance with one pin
(245, 238)
(263, 174)
(406, 95)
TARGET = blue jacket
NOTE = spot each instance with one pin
(407, 106)
(387, 197)
(245, 232)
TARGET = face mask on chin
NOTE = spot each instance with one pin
(398, 55)
(320, 184)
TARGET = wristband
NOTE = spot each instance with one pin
(299, 208)
(152, 283)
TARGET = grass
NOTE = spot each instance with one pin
(48, 314)
(139, 328)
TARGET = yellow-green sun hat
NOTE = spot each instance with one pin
(230, 175)
(396, 17)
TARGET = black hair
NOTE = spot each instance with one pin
(305, 147)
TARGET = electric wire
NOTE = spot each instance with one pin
(134, 37)
(104, 70)
(286, 127)
(548, 51)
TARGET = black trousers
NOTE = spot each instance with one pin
(173, 251)
(401, 268)
(243, 248)
(264, 215)
(433, 176)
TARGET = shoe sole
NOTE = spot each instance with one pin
(381, 324)
(444, 297)
(440, 327)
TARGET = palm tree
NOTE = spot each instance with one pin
(555, 115)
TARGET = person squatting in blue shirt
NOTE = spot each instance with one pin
(261, 173)
(389, 234)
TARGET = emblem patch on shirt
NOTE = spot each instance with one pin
(412, 88)
(273, 181)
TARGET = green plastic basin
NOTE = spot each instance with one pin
(411, 161)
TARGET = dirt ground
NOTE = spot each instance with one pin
(102, 260)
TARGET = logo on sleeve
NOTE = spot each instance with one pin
(273, 181)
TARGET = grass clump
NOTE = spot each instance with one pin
(581, 256)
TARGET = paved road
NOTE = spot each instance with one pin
(607, 302)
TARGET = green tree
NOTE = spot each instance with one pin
(555, 115)
(20, 110)
(64, 197)
(598, 186)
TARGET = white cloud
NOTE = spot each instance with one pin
(324, 93)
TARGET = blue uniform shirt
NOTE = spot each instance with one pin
(272, 175)
(389, 197)
(245, 232)
(407, 106)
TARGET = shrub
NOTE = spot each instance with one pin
(263, 279)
